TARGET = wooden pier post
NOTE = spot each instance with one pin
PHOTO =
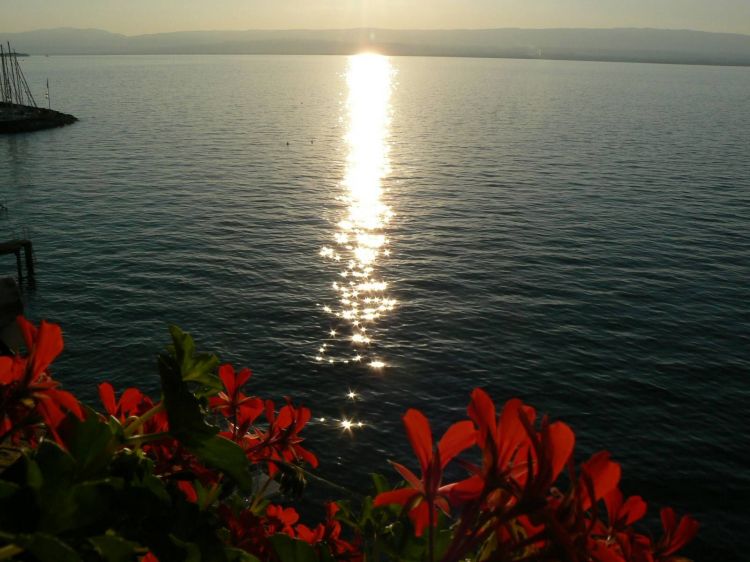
(15, 247)
(18, 266)
(28, 254)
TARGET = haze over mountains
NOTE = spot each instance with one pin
(627, 44)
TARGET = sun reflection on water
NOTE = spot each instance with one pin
(361, 241)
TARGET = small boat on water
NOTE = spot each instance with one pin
(19, 112)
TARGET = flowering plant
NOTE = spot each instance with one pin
(190, 476)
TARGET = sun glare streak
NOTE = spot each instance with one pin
(361, 241)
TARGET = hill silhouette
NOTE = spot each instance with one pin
(627, 44)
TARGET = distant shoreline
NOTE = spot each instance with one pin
(657, 46)
(344, 54)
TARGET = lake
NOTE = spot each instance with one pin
(406, 229)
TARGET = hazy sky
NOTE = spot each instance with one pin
(150, 16)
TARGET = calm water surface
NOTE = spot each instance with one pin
(407, 229)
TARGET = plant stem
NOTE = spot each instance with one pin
(259, 493)
(10, 550)
(211, 496)
(138, 422)
(138, 440)
(431, 535)
(347, 491)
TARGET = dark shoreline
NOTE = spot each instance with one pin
(23, 119)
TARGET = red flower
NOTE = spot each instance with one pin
(330, 534)
(251, 532)
(512, 450)
(676, 535)
(188, 489)
(132, 402)
(240, 409)
(246, 531)
(281, 442)
(281, 519)
(623, 514)
(600, 477)
(423, 495)
(26, 389)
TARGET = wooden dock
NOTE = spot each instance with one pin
(16, 247)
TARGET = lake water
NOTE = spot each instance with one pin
(572, 233)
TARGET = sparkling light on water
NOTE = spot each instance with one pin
(361, 240)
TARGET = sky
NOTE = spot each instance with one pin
(133, 17)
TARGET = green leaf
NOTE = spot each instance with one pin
(292, 550)
(57, 468)
(187, 423)
(114, 548)
(292, 480)
(442, 542)
(193, 367)
(46, 548)
(380, 482)
(34, 478)
(224, 455)
(91, 442)
(238, 555)
(8, 456)
(95, 502)
(183, 409)
(56, 504)
(8, 489)
(192, 551)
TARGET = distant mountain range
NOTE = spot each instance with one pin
(641, 45)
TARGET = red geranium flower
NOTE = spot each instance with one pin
(676, 535)
(512, 450)
(239, 409)
(281, 441)
(330, 534)
(281, 519)
(600, 477)
(132, 402)
(424, 495)
(26, 387)
(623, 514)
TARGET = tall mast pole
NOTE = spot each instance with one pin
(14, 94)
(4, 83)
(25, 84)
(2, 74)
(19, 80)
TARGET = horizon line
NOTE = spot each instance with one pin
(369, 28)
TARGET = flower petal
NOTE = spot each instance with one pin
(459, 437)
(226, 374)
(420, 436)
(562, 440)
(420, 517)
(28, 330)
(408, 475)
(48, 345)
(604, 475)
(463, 491)
(107, 396)
(482, 411)
(401, 496)
(633, 509)
(130, 400)
(243, 376)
